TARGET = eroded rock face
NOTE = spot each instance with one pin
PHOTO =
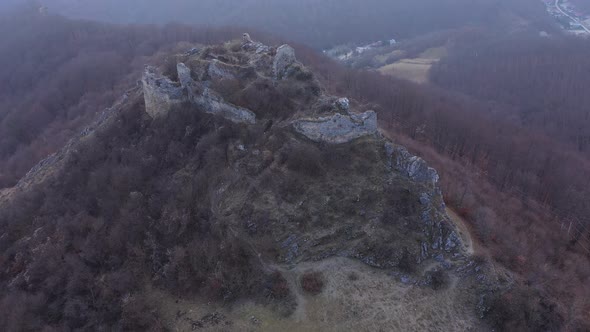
(217, 70)
(184, 75)
(212, 103)
(246, 38)
(338, 128)
(249, 44)
(209, 101)
(414, 167)
(160, 93)
(439, 236)
(284, 59)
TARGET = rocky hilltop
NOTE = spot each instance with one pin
(230, 176)
(320, 119)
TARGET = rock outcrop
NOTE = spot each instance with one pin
(209, 101)
(184, 76)
(342, 104)
(284, 59)
(205, 69)
(414, 167)
(249, 45)
(338, 128)
(160, 93)
(218, 70)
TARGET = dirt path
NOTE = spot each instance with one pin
(464, 232)
(5, 194)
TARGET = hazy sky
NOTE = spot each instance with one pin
(319, 23)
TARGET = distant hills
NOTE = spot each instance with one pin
(319, 24)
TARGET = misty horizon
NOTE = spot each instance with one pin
(315, 21)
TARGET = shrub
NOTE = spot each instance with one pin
(353, 276)
(306, 160)
(312, 282)
(436, 279)
(277, 286)
(522, 309)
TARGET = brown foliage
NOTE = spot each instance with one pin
(508, 180)
(99, 238)
(277, 286)
(312, 282)
(58, 74)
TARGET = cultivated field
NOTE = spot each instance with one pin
(417, 69)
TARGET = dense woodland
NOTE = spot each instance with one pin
(494, 128)
(534, 89)
(91, 242)
(538, 82)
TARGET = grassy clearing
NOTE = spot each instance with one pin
(417, 69)
(355, 298)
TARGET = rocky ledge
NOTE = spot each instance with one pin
(338, 128)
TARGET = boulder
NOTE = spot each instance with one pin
(342, 104)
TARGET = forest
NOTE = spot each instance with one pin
(522, 190)
(505, 122)
(58, 74)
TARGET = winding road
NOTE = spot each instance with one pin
(557, 2)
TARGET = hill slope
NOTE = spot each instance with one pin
(58, 74)
(226, 179)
